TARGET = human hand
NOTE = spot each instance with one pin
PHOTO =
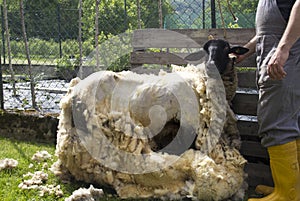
(276, 63)
(239, 58)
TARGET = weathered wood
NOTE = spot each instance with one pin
(258, 174)
(245, 104)
(187, 38)
(248, 62)
(233, 36)
(247, 128)
(163, 58)
(253, 149)
(247, 79)
(161, 38)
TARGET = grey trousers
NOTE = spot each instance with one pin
(279, 100)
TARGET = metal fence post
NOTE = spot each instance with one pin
(1, 86)
(3, 32)
(213, 14)
(59, 30)
(80, 73)
(203, 14)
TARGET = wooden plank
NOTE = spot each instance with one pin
(187, 38)
(247, 79)
(258, 174)
(245, 104)
(249, 62)
(248, 128)
(253, 149)
(163, 58)
(161, 38)
(234, 36)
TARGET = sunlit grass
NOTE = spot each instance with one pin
(10, 179)
(23, 152)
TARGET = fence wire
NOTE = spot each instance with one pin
(52, 29)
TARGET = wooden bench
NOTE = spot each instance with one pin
(157, 46)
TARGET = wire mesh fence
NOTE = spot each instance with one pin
(62, 35)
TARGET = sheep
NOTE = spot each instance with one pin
(218, 52)
(149, 136)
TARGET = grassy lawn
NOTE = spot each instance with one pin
(23, 152)
(10, 179)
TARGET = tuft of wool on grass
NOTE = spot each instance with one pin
(90, 194)
(41, 156)
(37, 181)
(8, 163)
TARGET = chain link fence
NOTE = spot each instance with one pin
(62, 35)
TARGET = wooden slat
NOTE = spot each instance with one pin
(245, 104)
(247, 128)
(258, 174)
(163, 58)
(187, 38)
(249, 62)
(184, 38)
(161, 38)
(253, 149)
(234, 36)
(247, 79)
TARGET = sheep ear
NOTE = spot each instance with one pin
(196, 56)
(239, 50)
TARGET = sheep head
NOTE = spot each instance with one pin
(217, 52)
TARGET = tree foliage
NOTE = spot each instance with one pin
(59, 18)
(52, 26)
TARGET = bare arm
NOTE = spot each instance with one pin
(290, 36)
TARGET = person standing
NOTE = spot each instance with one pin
(277, 46)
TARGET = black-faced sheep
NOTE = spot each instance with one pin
(105, 122)
(222, 55)
(218, 52)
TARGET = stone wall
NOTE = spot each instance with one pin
(28, 126)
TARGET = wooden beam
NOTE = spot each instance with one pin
(248, 62)
(245, 104)
(258, 174)
(234, 36)
(187, 38)
(163, 58)
(253, 149)
(248, 128)
(161, 38)
(247, 79)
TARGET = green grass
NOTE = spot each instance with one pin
(10, 179)
(22, 152)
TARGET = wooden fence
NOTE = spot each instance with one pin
(170, 44)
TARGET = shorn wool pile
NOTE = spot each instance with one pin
(151, 136)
